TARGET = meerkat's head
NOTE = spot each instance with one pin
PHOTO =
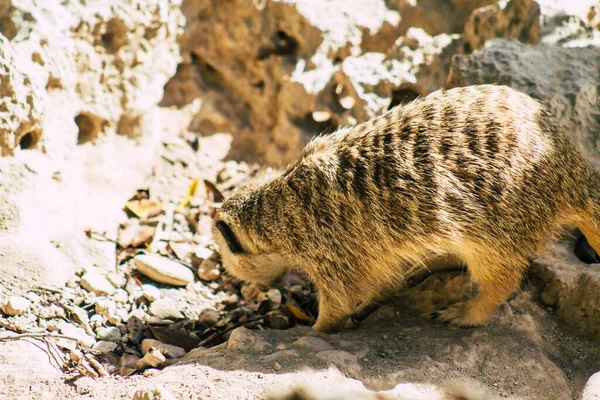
(243, 253)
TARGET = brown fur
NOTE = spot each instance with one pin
(482, 173)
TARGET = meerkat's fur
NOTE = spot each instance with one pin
(481, 173)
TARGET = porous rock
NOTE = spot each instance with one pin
(246, 340)
(163, 270)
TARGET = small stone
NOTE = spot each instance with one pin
(279, 322)
(93, 282)
(34, 297)
(120, 296)
(48, 312)
(117, 280)
(165, 308)
(105, 307)
(16, 305)
(591, 390)
(168, 350)
(347, 102)
(312, 344)
(153, 358)
(84, 385)
(111, 334)
(203, 253)
(281, 347)
(135, 327)
(104, 346)
(274, 295)
(73, 331)
(150, 372)
(163, 270)
(209, 270)
(321, 116)
(153, 392)
(150, 292)
(209, 317)
(276, 366)
(96, 321)
(246, 340)
(346, 362)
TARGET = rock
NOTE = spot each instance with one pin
(245, 340)
(105, 307)
(78, 333)
(135, 327)
(278, 322)
(517, 19)
(591, 390)
(104, 346)
(117, 280)
(572, 287)
(16, 305)
(153, 392)
(93, 282)
(277, 366)
(566, 80)
(209, 270)
(111, 334)
(346, 362)
(312, 344)
(209, 317)
(150, 292)
(120, 296)
(153, 358)
(165, 308)
(168, 350)
(163, 270)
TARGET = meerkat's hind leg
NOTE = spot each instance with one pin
(498, 275)
(334, 310)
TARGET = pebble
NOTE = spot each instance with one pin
(209, 270)
(153, 392)
(94, 282)
(116, 279)
(346, 362)
(96, 321)
(168, 350)
(16, 305)
(120, 296)
(246, 340)
(591, 390)
(111, 334)
(79, 333)
(276, 366)
(312, 343)
(105, 307)
(48, 312)
(165, 309)
(209, 317)
(150, 292)
(104, 346)
(163, 270)
(33, 296)
(203, 253)
(279, 322)
(135, 327)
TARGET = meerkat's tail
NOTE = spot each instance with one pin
(589, 223)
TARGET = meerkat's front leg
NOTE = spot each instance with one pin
(333, 311)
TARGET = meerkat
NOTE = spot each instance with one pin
(483, 174)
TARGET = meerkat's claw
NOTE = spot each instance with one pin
(460, 314)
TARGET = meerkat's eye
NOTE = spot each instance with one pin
(230, 238)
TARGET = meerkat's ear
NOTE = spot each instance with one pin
(232, 240)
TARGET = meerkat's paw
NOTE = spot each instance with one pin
(460, 314)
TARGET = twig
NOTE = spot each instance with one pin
(219, 334)
(97, 366)
(41, 335)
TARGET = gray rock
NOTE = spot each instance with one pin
(111, 334)
(209, 317)
(312, 343)
(346, 362)
(104, 346)
(246, 340)
(165, 308)
(163, 270)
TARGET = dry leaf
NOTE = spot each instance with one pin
(298, 314)
(213, 193)
(144, 208)
(128, 364)
(135, 235)
(174, 337)
(192, 188)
